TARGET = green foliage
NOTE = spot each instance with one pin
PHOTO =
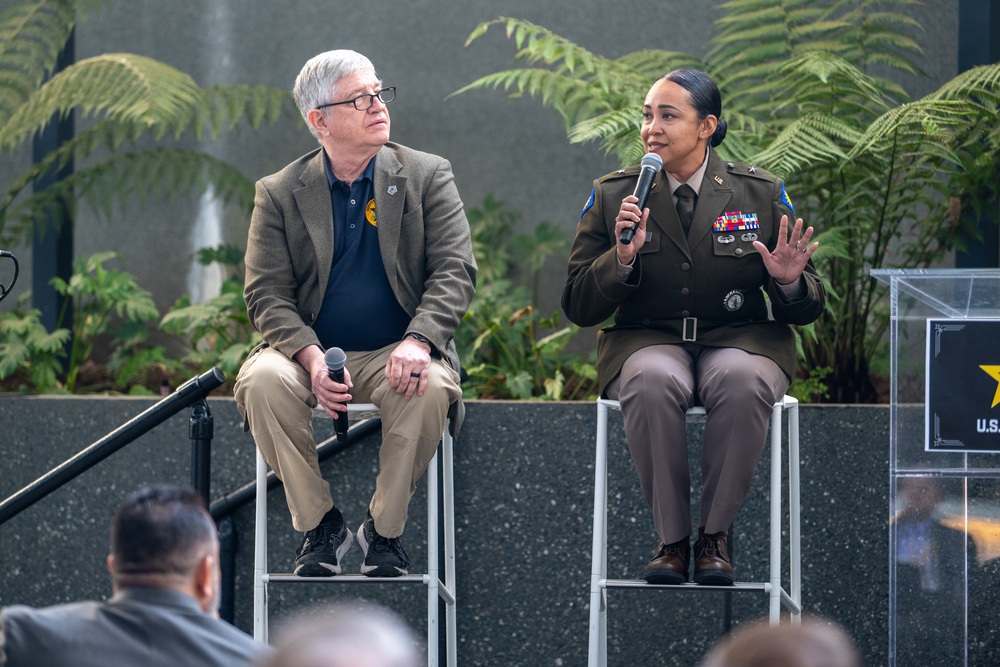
(510, 351)
(104, 302)
(808, 94)
(29, 355)
(217, 332)
(109, 307)
(127, 98)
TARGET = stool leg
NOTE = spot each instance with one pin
(775, 574)
(432, 563)
(448, 490)
(794, 508)
(260, 554)
(597, 653)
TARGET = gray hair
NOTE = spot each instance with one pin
(346, 635)
(316, 84)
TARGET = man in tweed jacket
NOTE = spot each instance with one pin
(362, 244)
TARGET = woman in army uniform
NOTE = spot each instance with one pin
(701, 309)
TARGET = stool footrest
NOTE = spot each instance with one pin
(738, 587)
(344, 579)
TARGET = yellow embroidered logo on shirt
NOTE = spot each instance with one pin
(370, 214)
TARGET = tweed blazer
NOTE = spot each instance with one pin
(715, 280)
(423, 237)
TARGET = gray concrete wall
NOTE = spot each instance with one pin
(515, 149)
(524, 485)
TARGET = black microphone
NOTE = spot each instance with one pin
(649, 167)
(335, 360)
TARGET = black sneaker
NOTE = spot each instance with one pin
(384, 556)
(322, 549)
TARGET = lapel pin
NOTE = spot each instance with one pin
(392, 189)
(718, 179)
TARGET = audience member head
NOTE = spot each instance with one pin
(163, 537)
(346, 635)
(814, 643)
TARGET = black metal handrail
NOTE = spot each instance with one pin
(188, 394)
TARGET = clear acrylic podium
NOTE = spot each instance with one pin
(944, 506)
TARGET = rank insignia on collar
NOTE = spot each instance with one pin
(752, 169)
(718, 179)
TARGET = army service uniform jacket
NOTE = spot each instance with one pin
(708, 288)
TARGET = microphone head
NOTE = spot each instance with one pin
(651, 160)
(335, 358)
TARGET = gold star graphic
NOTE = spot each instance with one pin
(994, 372)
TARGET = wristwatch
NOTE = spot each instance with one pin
(419, 338)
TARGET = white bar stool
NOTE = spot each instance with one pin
(435, 587)
(777, 595)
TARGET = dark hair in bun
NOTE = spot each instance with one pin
(705, 97)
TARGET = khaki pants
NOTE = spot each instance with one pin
(274, 395)
(656, 386)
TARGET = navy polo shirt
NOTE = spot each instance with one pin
(359, 310)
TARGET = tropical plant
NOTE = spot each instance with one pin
(107, 302)
(810, 93)
(124, 98)
(217, 332)
(29, 355)
(508, 349)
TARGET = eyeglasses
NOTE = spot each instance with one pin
(365, 102)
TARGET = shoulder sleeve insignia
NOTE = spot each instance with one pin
(786, 200)
(590, 202)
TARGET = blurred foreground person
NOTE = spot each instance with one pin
(346, 635)
(814, 643)
(164, 566)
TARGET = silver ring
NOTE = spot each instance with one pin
(804, 249)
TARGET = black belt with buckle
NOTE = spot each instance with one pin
(689, 329)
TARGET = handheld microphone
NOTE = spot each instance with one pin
(335, 360)
(648, 168)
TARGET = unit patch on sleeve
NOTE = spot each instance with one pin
(786, 200)
(590, 202)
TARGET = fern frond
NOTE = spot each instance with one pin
(121, 86)
(933, 119)
(224, 107)
(982, 82)
(540, 46)
(806, 141)
(31, 36)
(650, 64)
(115, 183)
